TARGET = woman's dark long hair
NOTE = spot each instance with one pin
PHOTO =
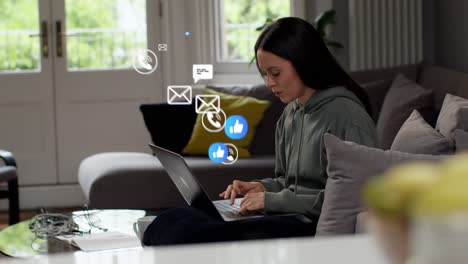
(297, 41)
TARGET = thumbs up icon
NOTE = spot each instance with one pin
(218, 152)
(236, 127)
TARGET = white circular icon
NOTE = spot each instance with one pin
(145, 61)
(233, 154)
(214, 122)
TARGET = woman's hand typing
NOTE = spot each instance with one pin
(252, 202)
(241, 188)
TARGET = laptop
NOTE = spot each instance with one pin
(193, 192)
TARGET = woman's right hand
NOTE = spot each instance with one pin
(241, 188)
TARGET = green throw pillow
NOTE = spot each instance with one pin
(250, 108)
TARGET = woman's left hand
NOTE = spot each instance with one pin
(252, 202)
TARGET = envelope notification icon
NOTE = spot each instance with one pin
(205, 104)
(179, 95)
(162, 47)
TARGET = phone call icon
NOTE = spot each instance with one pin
(145, 61)
(214, 122)
(232, 154)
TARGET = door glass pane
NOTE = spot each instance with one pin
(237, 24)
(104, 34)
(19, 36)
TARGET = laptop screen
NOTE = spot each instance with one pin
(185, 181)
(179, 173)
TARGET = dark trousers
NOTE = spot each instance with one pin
(188, 225)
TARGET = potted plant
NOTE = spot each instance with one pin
(321, 24)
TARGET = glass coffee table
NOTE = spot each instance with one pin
(19, 241)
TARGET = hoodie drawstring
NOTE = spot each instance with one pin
(299, 154)
(293, 141)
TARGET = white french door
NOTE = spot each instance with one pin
(98, 103)
(67, 85)
(27, 118)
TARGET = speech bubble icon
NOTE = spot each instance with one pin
(202, 72)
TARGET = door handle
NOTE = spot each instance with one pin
(59, 35)
(44, 35)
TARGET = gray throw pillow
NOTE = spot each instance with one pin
(461, 140)
(350, 166)
(402, 98)
(418, 137)
(452, 116)
(376, 92)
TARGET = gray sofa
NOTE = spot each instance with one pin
(137, 180)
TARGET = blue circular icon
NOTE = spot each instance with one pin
(236, 127)
(218, 152)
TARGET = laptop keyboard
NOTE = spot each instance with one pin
(227, 207)
(232, 211)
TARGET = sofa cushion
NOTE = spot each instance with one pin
(376, 92)
(250, 108)
(260, 91)
(461, 140)
(349, 166)
(138, 180)
(452, 116)
(403, 97)
(175, 136)
(263, 142)
(365, 76)
(443, 81)
(418, 137)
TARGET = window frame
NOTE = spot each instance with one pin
(298, 9)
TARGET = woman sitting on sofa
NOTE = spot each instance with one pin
(298, 68)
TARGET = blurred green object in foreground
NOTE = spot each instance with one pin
(393, 192)
(450, 196)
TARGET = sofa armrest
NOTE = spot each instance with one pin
(170, 126)
(8, 158)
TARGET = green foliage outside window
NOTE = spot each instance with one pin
(17, 49)
(241, 18)
(99, 35)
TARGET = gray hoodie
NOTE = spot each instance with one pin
(300, 166)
